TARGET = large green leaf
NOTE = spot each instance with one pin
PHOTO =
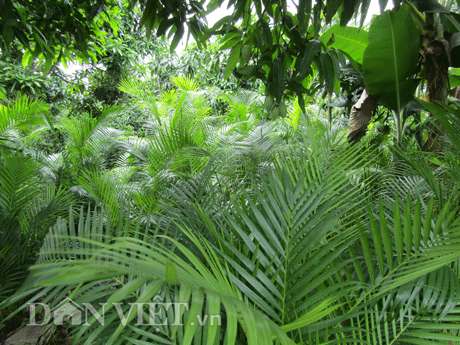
(390, 59)
(303, 15)
(232, 60)
(304, 66)
(352, 41)
(327, 69)
(454, 77)
(331, 9)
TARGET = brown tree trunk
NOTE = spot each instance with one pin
(360, 116)
(437, 68)
(437, 64)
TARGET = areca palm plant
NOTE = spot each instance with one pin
(20, 117)
(305, 258)
(28, 207)
(177, 142)
(184, 141)
(88, 140)
(246, 108)
(28, 204)
(178, 127)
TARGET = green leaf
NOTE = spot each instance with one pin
(364, 9)
(195, 309)
(247, 71)
(8, 34)
(408, 231)
(347, 11)
(148, 17)
(48, 65)
(312, 48)
(267, 33)
(303, 15)
(399, 240)
(377, 241)
(368, 255)
(327, 68)
(454, 81)
(317, 11)
(177, 36)
(232, 60)
(148, 292)
(331, 9)
(336, 63)
(230, 43)
(386, 238)
(26, 58)
(431, 6)
(352, 41)
(171, 274)
(390, 59)
(454, 77)
(383, 5)
(428, 220)
(325, 308)
(278, 78)
(417, 225)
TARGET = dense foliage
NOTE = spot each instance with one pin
(222, 179)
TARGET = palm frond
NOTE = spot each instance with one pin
(126, 269)
(19, 183)
(27, 209)
(186, 83)
(282, 246)
(88, 139)
(143, 94)
(405, 272)
(21, 113)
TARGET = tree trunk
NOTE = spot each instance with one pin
(360, 116)
(437, 67)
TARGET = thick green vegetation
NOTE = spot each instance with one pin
(220, 187)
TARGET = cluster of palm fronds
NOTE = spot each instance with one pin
(281, 229)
